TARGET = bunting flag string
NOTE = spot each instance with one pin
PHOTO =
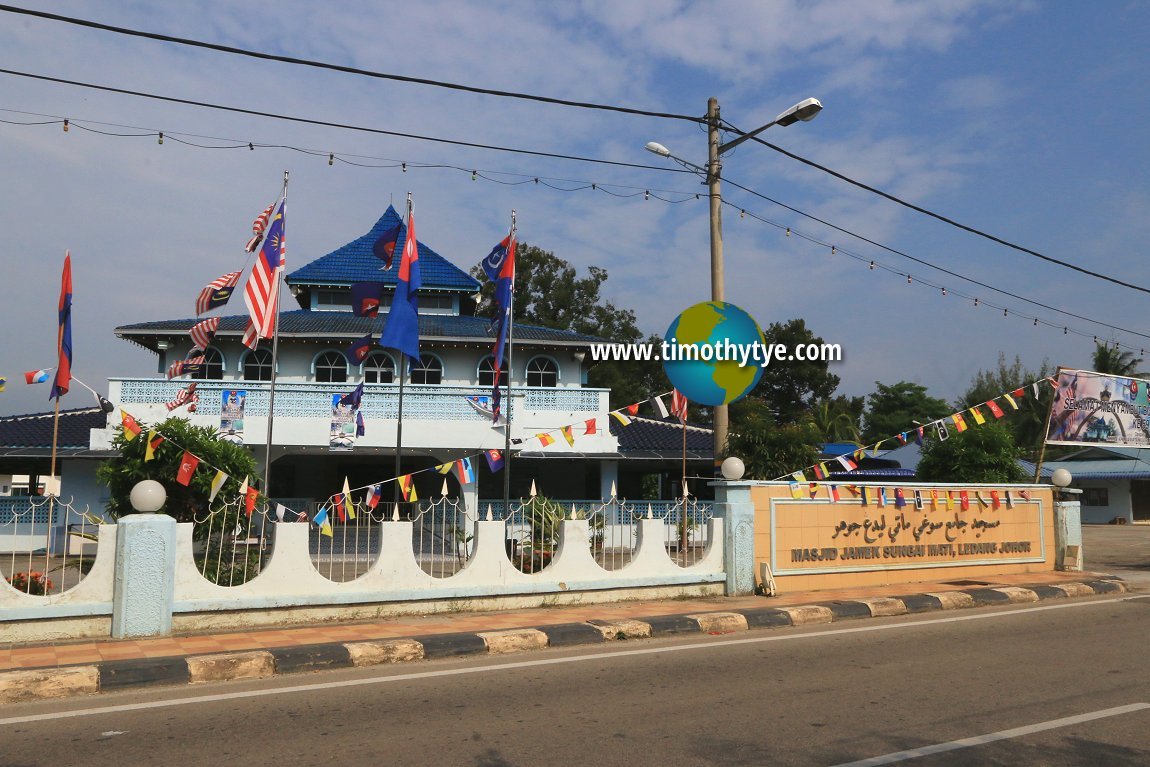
(1011, 398)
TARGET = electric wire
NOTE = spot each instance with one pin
(341, 68)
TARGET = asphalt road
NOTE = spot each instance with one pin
(1055, 684)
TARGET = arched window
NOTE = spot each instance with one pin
(542, 371)
(258, 365)
(429, 370)
(487, 371)
(331, 367)
(379, 367)
(213, 369)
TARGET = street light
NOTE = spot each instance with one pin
(803, 111)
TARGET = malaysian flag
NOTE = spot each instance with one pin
(258, 227)
(679, 405)
(217, 292)
(189, 366)
(203, 332)
(187, 397)
(260, 293)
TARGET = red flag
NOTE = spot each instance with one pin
(995, 502)
(679, 405)
(964, 500)
(250, 498)
(633, 409)
(263, 283)
(64, 333)
(188, 466)
(995, 409)
(590, 424)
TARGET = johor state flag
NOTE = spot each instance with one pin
(365, 298)
(494, 459)
(402, 329)
(36, 376)
(384, 247)
(64, 333)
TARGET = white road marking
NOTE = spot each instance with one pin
(431, 674)
(979, 740)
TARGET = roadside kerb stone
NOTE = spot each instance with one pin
(222, 667)
(41, 683)
(379, 651)
(1074, 589)
(1018, 595)
(720, 623)
(804, 615)
(513, 640)
(881, 607)
(626, 628)
(1106, 587)
(953, 600)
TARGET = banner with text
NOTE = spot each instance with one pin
(342, 424)
(1091, 408)
(232, 415)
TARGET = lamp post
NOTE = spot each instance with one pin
(803, 111)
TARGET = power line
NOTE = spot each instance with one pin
(327, 123)
(944, 219)
(341, 68)
(580, 185)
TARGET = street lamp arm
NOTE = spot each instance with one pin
(805, 111)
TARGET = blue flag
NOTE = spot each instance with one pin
(365, 298)
(359, 349)
(402, 329)
(353, 397)
(384, 247)
(63, 377)
(499, 266)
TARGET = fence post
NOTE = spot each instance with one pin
(733, 503)
(145, 568)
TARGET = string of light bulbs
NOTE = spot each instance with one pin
(624, 191)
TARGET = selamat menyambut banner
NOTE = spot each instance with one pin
(1091, 408)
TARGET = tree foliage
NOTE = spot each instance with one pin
(1114, 361)
(767, 449)
(791, 388)
(837, 419)
(894, 409)
(983, 454)
(1026, 424)
(122, 473)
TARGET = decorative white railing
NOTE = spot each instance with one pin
(381, 401)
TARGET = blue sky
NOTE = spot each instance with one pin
(1023, 119)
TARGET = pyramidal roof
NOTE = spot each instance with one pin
(355, 262)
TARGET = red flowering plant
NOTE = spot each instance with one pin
(31, 583)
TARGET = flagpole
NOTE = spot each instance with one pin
(510, 368)
(275, 349)
(402, 375)
(1045, 432)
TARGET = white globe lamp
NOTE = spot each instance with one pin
(1061, 478)
(148, 496)
(733, 468)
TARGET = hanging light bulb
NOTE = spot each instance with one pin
(161, 138)
(330, 158)
(251, 147)
(65, 125)
(742, 213)
(1035, 322)
(944, 291)
(832, 250)
(404, 167)
(976, 302)
(872, 265)
(646, 194)
(788, 231)
(472, 175)
(1003, 312)
(1065, 331)
(908, 280)
(593, 186)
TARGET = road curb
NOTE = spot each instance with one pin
(20, 685)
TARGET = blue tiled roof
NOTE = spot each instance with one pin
(355, 262)
(35, 430)
(346, 324)
(662, 437)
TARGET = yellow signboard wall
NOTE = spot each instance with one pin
(885, 534)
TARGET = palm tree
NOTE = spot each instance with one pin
(1113, 361)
